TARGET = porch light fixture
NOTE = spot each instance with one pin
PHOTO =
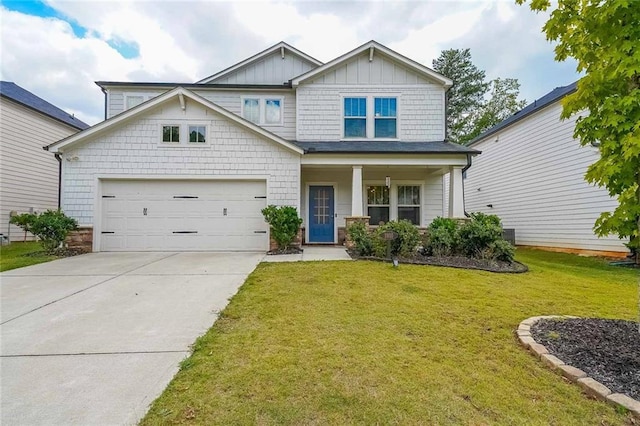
(387, 181)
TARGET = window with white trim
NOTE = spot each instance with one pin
(197, 134)
(409, 203)
(170, 134)
(378, 204)
(385, 118)
(355, 117)
(263, 111)
(370, 117)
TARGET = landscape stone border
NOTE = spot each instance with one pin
(589, 385)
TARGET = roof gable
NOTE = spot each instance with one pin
(180, 94)
(275, 65)
(374, 49)
(25, 98)
(551, 97)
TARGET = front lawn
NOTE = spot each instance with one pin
(19, 254)
(362, 343)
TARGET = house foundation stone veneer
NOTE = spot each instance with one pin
(81, 239)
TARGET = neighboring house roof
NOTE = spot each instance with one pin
(384, 147)
(551, 97)
(282, 46)
(27, 99)
(153, 85)
(180, 93)
(373, 46)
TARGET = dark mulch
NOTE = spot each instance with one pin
(455, 262)
(60, 252)
(607, 350)
(290, 250)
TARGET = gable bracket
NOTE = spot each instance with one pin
(182, 104)
(371, 49)
(282, 51)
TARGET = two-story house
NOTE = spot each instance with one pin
(190, 166)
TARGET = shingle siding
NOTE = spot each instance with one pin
(134, 149)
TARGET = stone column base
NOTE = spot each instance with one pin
(81, 239)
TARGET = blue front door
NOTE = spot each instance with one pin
(321, 214)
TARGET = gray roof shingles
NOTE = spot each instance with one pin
(19, 95)
(538, 104)
(383, 147)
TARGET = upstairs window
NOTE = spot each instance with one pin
(385, 118)
(378, 204)
(171, 134)
(263, 111)
(197, 134)
(355, 117)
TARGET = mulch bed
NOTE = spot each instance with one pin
(455, 262)
(290, 250)
(607, 350)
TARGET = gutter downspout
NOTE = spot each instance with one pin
(464, 204)
(46, 148)
(105, 101)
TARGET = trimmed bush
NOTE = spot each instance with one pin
(406, 243)
(284, 222)
(51, 227)
(478, 233)
(441, 238)
(359, 234)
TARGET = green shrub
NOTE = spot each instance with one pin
(502, 250)
(477, 234)
(51, 227)
(406, 243)
(284, 222)
(24, 221)
(442, 237)
(359, 233)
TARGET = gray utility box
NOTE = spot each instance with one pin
(509, 234)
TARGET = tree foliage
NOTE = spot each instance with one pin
(51, 227)
(604, 38)
(473, 104)
(284, 222)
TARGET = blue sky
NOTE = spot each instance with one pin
(57, 49)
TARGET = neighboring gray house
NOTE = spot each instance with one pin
(190, 166)
(531, 174)
(28, 174)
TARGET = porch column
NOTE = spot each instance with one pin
(456, 195)
(356, 191)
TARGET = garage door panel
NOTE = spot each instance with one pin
(224, 216)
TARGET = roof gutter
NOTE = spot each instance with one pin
(464, 205)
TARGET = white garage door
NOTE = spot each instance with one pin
(169, 215)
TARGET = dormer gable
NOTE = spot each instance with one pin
(372, 63)
(276, 65)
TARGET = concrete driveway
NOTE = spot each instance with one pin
(94, 339)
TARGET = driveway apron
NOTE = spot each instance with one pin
(94, 339)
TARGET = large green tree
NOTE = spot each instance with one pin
(466, 96)
(604, 38)
(473, 104)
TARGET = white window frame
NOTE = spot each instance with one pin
(419, 205)
(184, 134)
(393, 197)
(370, 133)
(180, 135)
(262, 107)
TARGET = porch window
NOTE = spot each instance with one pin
(385, 117)
(409, 203)
(378, 204)
(355, 117)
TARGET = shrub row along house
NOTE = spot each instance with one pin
(190, 166)
(29, 175)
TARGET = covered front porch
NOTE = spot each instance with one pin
(336, 189)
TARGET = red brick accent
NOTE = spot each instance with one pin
(81, 239)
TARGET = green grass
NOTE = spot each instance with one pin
(19, 254)
(362, 343)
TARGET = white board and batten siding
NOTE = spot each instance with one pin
(228, 99)
(272, 69)
(532, 173)
(233, 159)
(420, 101)
(28, 174)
